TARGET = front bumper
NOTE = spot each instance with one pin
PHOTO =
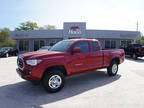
(140, 54)
(23, 75)
(20, 73)
(2, 55)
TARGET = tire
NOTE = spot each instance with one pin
(7, 55)
(53, 81)
(134, 56)
(15, 54)
(113, 68)
(131, 56)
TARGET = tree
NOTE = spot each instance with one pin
(142, 40)
(5, 39)
(47, 27)
(33, 26)
(27, 26)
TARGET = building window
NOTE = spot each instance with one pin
(24, 45)
(52, 42)
(107, 44)
(125, 42)
(113, 44)
(42, 43)
(128, 42)
(110, 44)
(38, 44)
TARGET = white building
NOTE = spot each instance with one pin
(34, 39)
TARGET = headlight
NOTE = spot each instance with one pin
(33, 62)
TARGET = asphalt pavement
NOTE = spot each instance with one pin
(89, 90)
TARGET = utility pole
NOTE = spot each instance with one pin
(137, 26)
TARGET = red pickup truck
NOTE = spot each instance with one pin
(67, 57)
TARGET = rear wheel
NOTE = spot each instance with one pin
(134, 56)
(53, 81)
(131, 55)
(112, 69)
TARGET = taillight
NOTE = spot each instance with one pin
(139, 49)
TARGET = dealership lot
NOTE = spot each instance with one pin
(89, 90)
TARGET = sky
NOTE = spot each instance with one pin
(98, 14)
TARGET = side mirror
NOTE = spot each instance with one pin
(76, 50)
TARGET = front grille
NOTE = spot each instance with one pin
(20, 63)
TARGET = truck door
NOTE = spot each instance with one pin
(80, 61)
(96, 55)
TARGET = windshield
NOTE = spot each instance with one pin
(3, 49)
(137, 45)
(62, 46)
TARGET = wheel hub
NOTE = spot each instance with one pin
(114, 68)
(55, 81)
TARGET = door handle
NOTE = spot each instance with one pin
(79, 64)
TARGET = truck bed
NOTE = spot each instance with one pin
(109, 54)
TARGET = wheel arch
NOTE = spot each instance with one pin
(115, 59)
(57, 67)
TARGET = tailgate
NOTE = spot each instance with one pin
(142, 50)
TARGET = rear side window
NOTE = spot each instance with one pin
(84, 45)
(95, 46)
(137, 45)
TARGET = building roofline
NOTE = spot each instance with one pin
(112, 30)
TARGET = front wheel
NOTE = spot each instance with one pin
(112, 69)
(53, 81)
(15, 54)
(7, 54)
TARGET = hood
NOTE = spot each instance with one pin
(40, 54)
(1, 51)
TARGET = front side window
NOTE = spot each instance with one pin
(84, 45)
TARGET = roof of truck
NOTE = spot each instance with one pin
(83, 39)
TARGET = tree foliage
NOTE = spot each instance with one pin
(49, 27)
(5, 39)
(33, 26)
(27, 26)
(142, 40)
